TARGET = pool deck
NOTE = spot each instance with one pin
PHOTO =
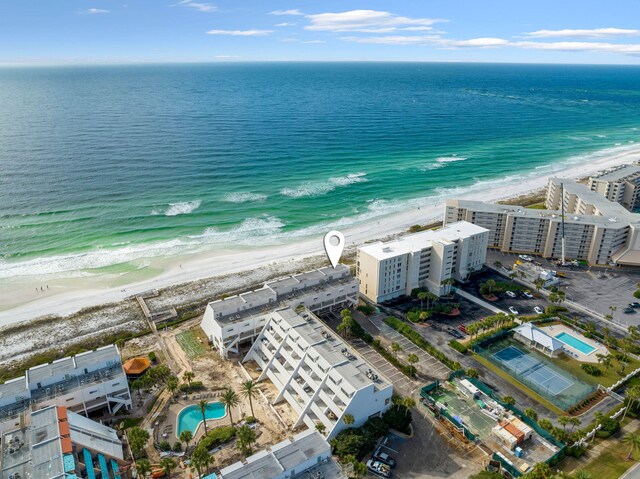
(556, 329)
(170, 424)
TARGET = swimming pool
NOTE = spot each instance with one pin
(575, 343)
(190, 417)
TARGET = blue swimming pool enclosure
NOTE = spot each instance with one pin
(575, 343)
(191, 416)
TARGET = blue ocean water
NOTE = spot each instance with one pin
(103, 165)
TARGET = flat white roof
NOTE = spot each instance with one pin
(419, 241)
(617, 174)
(535, 334)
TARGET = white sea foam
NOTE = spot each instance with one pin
(175, 209)
(442, 161)
(244, 197)
(265, 227)
(319, 188)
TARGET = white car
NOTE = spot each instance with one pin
(525, 257)
(378, 468)
(511, 294)
(538, 310)
(527, 294)
(513, 310)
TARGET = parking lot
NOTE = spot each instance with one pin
(594, 288)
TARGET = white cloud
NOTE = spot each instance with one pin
(629, 49)
(93, 11)
(201, 7)
(394, 40)
(369, 21)
(487, 42)
(314, 41)
(227, 57)
(286, 12)
(240, 33)
(284, 24)
(593, 33)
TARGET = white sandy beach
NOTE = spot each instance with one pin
(70, 295)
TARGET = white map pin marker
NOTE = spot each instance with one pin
(334, 251)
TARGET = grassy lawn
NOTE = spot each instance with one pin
(608, 376)
(507, 377)
(188, 341)
(537, 206)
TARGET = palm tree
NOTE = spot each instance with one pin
(320, 427)
(249, 390)
(413, 359)
(490, 284)
(530, 412)
(143, 467)
(632, 439)
(563, 421)
(574, 421)
(172, 385)
(497, 264)
(348, 419)
(509, 400)
(203, 406)
(246, 437)
(539, 283)
(201, 460)
(409, 403)
(422, 295)
(632, 394)
(396, 348)
(167, 464)
(186, 437)
(188, 377)
(590, 328)
(634, 332)
(581, 474)
(230, 400)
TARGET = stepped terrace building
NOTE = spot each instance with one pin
(238, 320)
(308, 455)
(620, 184)
(83, 383)
(317, 373)
(597, 230)
(421, 260)
(56, 443)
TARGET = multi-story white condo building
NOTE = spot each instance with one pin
(421, 260)
(83, 383)
(308, 455)
(317, 373)
(238, 320)
(620, 184)
(56, 443)
(596, 230)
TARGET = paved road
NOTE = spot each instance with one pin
(633, 473)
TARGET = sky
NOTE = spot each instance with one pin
(142, 31)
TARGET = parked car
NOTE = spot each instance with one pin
(380, 455)
(635, 304)
(378, 468)
(462, 328)
(538, 310)
(629, 310)
(455, 333)
(525, 257)
(527, 294)
(513, 310)
(511, 294)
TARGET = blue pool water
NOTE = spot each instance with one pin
(575, 343)
(191, 416)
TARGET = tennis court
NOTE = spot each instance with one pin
(535, 371)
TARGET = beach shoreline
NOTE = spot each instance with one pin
(23, 302)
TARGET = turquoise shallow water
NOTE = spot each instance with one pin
(189, 418)
(100, 166)
(575, 343)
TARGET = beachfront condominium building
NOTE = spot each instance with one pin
(238, 320)
(429, 259)
(85, 383)
(596, 230)
(306, 456)
(620, 184)
(54, 442)
(317, 373)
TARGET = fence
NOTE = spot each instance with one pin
(583, 441)
(424, 392)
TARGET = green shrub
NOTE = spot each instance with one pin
(250, 420)
(177, 446)
(194, 386)
(461, 348)
(636, 294)
(609, 427)
(359, 441)
(366, 309)
(398, 418)
(217, 437)
(165, 446)
(553, 309)
(152, 357)
(591, 369)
